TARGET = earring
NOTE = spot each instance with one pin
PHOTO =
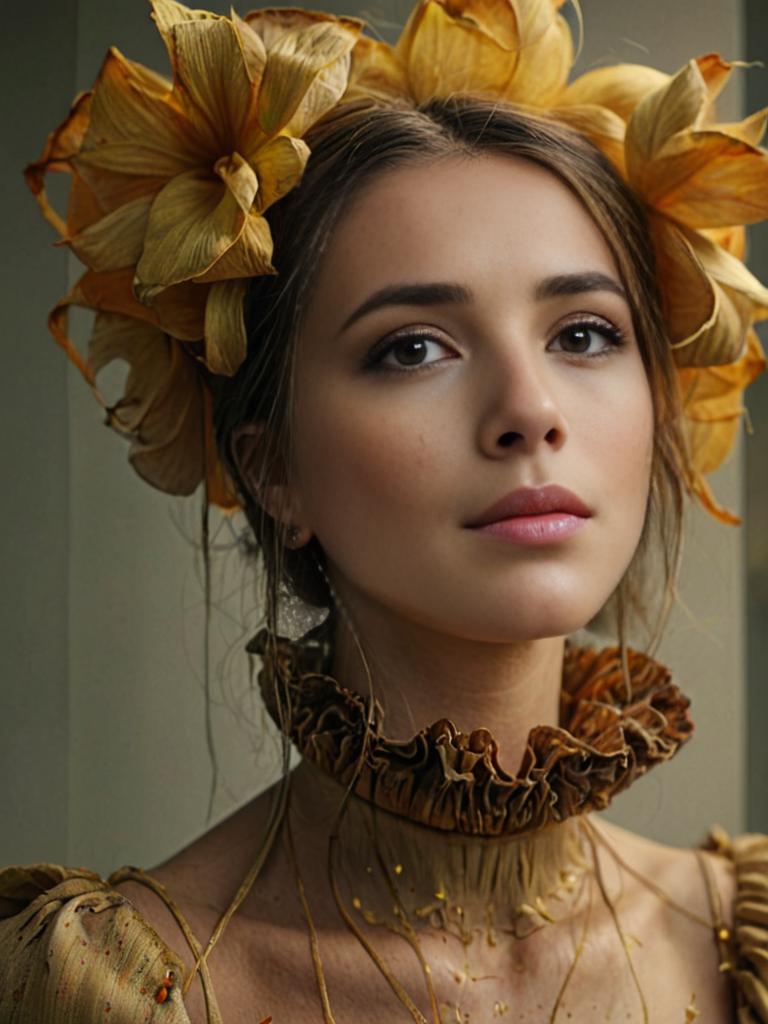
(296, 538)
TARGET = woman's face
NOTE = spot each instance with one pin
(463, 342)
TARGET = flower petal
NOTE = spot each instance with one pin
(445, 54)
(250, 256)
(279, 166)
(83, 207)
(254, 50)
(213, 78)
(709, 502)
(714, 393)
(111, 292)
(733, 239)
(715, 71)
(167, 14)
(192, 223)
(545, 56)
(727, 269)
(661, 115)
(689, 302)
(375, 72)
(240, 178)
(519, 50)
(136, 127)
(180, 310)
(300, 61)
(708, 296)
(272, 23)
(709, 179)
(60, 147)
(161, 409)
(751, 129)
(713, 402)
(620, 87)
(226, 342)
(116, 240)
(601, 125)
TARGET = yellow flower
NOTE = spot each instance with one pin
(693, 176)
(712, 398)
(518, 50)
(170, 182)
(701, 182)
(177, 175)
(166, 410)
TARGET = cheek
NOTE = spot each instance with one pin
(366, 467)
(623, 454)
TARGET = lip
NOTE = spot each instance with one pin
(533, 503)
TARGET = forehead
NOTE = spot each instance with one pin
(465, 218)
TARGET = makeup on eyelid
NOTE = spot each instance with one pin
(611, 333)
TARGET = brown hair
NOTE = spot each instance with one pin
(348, 148)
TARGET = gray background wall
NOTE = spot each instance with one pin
(102, 713)
(756, 490)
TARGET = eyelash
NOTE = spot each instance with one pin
(374, 360)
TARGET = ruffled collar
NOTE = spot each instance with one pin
(453, 781)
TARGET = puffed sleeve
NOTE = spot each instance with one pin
(750, 921)
(75, 950)
(745, 955)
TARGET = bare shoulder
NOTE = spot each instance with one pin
(202, 878)
(676, 870)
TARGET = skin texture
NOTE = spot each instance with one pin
(387, 470)
(391, 461)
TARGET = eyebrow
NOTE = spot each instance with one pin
(441, 293)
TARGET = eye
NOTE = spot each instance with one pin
(589, 339)
(406, 352)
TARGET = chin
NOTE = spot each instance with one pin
(539, 609)
(528, 627)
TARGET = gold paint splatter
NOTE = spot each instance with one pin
(691, 1011)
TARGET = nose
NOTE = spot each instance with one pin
(522, 408)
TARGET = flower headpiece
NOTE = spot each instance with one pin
(171, 180)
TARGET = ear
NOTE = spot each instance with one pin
(248, 448)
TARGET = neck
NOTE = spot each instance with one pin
(393, 872)
(420, 675)
(439, 805)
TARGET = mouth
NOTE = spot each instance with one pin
(534, 516)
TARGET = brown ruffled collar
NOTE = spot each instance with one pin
(449, 780)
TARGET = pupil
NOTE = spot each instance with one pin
(579, 338)
(411, 351)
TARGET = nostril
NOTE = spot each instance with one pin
(509, 438)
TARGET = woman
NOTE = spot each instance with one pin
(458, 433)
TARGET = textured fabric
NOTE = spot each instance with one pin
(453, 781)
(74, 950)
(746, 954)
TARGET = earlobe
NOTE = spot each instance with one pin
(248, 451)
